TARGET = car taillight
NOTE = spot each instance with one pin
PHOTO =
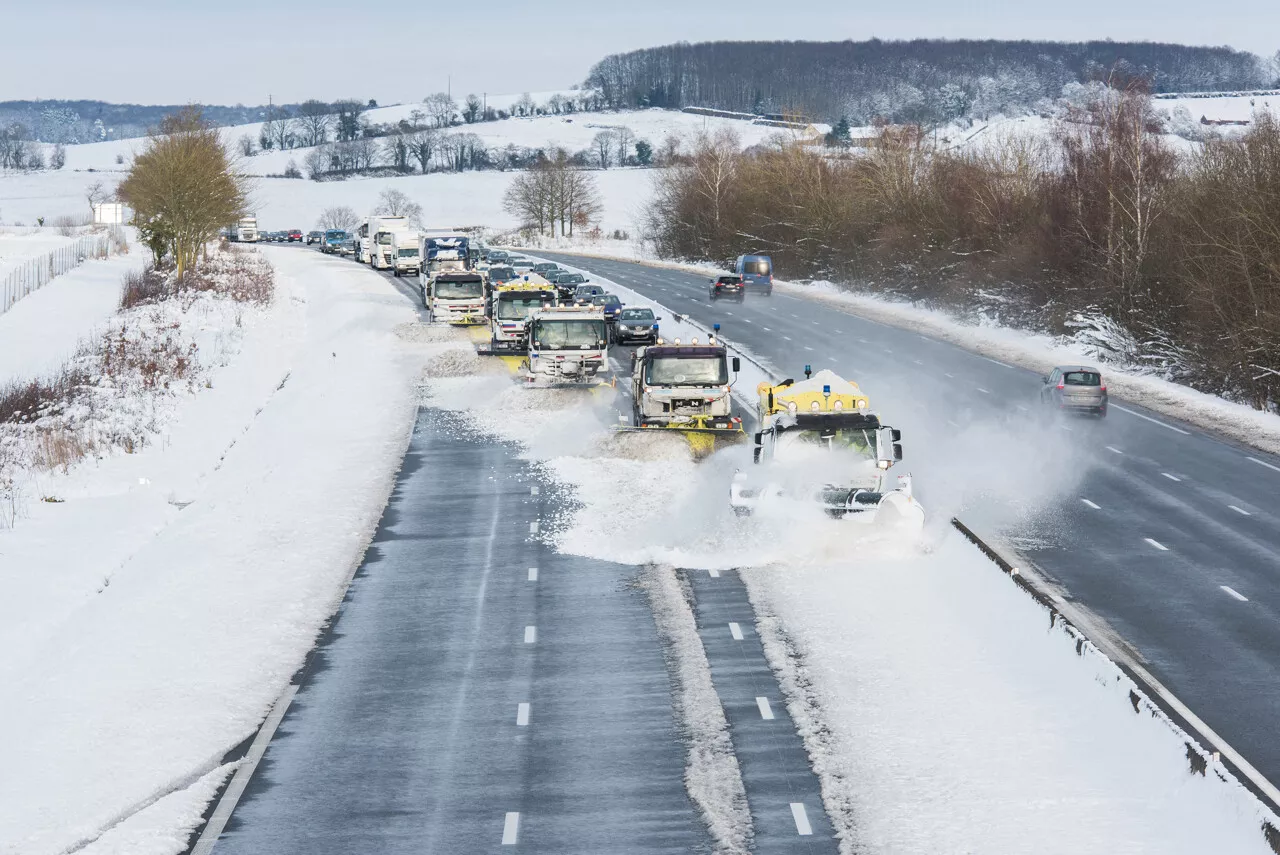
(1060, 386)
(1104, 388)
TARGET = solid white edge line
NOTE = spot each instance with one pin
(511, 828)
(713, 573)
(530, 634)
(1240, 511)
(1233, 592)
(1171, 477)
(522, 715)
(766, 711)
(1113, 406)
(803, 828)
(240, 780)
(1093, 505)
(533, 574)
(1264, 463)
(735, 630)
(1157, 544)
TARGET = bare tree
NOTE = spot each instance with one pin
(318, 161)
(314, 121)
(603, 145)
(441, 108)
(556, 103)
(623, 138)
(524, 105)
(362, 153)
(245, 145)
(396, 151)
(96, 194)
(341, 217)
(422, 146)
(397, 204)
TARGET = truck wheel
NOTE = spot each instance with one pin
(395, 271)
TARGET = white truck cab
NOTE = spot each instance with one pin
(366, 233)
(405, 257)
(568, 345)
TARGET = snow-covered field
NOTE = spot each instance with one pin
(43, 329)
(17, 246)
(152, 613)
(942, 712)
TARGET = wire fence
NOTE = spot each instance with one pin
(37, 272)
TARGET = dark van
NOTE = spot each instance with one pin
(756, 272)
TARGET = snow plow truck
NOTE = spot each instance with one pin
(686, 388)
(819, 443)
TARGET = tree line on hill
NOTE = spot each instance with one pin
(919, 81)
(1159, 259)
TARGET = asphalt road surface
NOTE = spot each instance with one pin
(480, 691)
(1168, 533)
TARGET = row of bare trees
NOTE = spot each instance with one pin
(1102, 224)
(554, 194)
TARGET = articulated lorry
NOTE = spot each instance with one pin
(367, 232)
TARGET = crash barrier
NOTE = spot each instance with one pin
(37, 272)
(1155, 695)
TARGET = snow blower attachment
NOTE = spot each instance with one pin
(835, 451)
(686, 388)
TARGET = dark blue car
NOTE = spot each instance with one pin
(756, 272)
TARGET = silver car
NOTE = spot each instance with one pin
(1075, 388)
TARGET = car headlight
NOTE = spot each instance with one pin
(791, 407)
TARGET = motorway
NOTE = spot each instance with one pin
(1169, 534)
(478, 691)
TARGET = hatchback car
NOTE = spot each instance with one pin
(566, 283)
(294, 235)
(636, 325)
(314, 237)
(1075, 388)
(611, 304)
(584, 293)
(545, 268)
(498, 275)
(727, 287)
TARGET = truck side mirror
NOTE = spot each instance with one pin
(737, 365)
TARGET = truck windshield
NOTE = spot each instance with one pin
(687, 371)
(794, 444)
(384, 238)
(464, 290)
(518, 308)
(564, 333)
(411, 252)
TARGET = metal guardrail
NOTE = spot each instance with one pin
(37, 272)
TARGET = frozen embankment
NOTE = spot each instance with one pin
(152, 614)
(941, 709)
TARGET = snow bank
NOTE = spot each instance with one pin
(151, 617)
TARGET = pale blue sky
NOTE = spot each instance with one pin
(148, 51)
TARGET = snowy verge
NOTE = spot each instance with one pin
(154, 614)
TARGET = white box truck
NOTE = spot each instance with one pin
(368, 233)
(405, 260)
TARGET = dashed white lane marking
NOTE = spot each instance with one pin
(1068, 428)
(797, 317)
(803, 828)
(1020, 407)
(1241, 511)
(952, 376)
(1096, 507)
(983, 391)
(533, 527)
(996, 361)
(533, 574)
(1114, 450)
(522, 715)
(1171, 477)
(735, 630)
(953, 424)
(533, 491)
(530, 634)
(787, 337)
(766, 329)
(863, 341)
(1148, 418)
(1233, 592)
(816, 324)
(1157, 544)
(511, 829)
(730, 314)
(714, 574)
(1264, 463)
(917, 362)
(810, 349)
(766, 711)
(887, 350)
